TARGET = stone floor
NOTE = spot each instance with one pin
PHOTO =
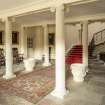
(31, 86)
(90, 92)
(7, 98)
(16, 68)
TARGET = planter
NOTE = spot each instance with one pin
(29, 64)
(78, 71)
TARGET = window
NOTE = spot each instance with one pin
(29, 42)
(15, 37)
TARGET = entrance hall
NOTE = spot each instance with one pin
(52, 52)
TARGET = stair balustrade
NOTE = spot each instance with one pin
(99, 37)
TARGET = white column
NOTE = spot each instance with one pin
(85, 43)
(60, 90)
(8, 46)
(38, 39)
(46, 47)
(23, 41)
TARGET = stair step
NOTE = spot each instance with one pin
(75, 55)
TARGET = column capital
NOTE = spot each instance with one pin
(60, 6)
(84, 22)
(44, 25)
(5, 19)
(57, 6)
(22, 26)
(13, 19)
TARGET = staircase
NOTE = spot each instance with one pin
(74, 55)
(96, 46)
(91, 48)
(99, 44)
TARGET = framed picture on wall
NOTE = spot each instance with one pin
(1, 37)
(15, 37)
(51, 38)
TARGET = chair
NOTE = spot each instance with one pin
(17, 58)
(2, 57)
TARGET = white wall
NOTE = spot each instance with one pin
(30, 34)
(36, 33)
(71, 35)
(38, 43)
(72, 32)
(51, 29)
(15, 27)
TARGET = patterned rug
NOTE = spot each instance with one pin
(32, 86)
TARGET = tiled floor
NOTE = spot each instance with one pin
(90, 92)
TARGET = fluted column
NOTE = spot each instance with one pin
(8, 47)
(46, 47)
(85, 43)
(60, 89)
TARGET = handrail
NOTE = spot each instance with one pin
(98, 32)
(99, 37)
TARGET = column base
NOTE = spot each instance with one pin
(9, 76)
(87, 69)
(78, 79)
(26, 71)
(46, 64)
(60, 94)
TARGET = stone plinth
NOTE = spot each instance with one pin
(29, 64)
(78, 71)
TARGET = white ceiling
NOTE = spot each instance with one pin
(36, 17)
(75, 10)
(88, 9)
(10, 4)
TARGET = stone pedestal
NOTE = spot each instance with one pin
(78, 71)
(29, 64)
